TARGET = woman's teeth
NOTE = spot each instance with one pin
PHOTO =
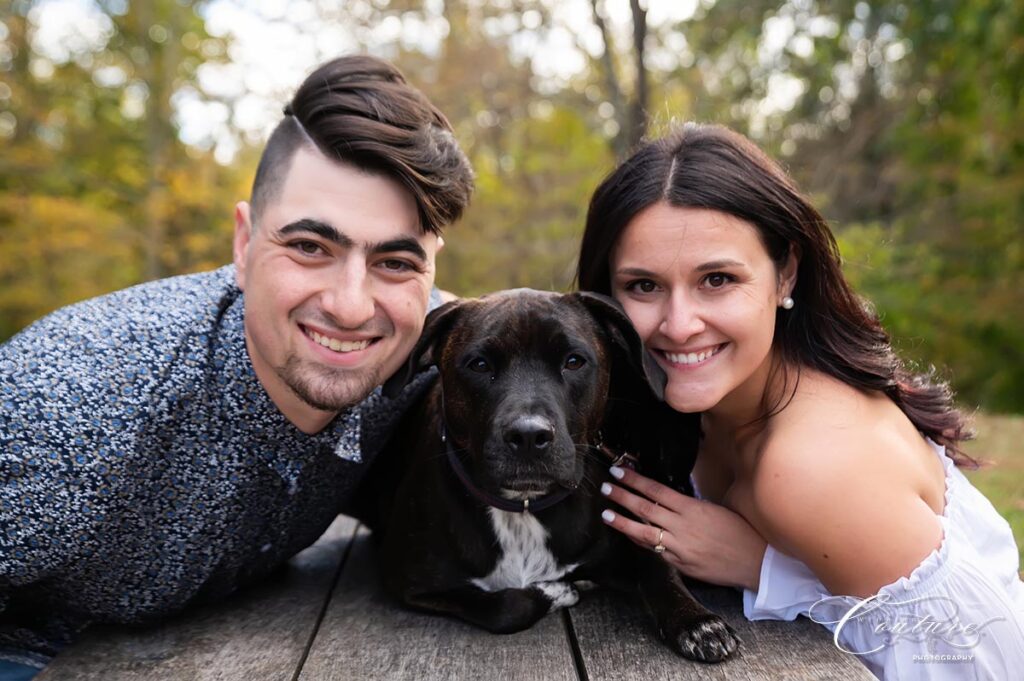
(692, 357)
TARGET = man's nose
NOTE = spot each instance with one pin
(683, 319)
(348, 298)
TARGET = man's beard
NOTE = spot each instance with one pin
(328, 389)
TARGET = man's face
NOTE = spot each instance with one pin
(337, 275)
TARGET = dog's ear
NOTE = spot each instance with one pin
(664, 440)
(424, 354)
(612, 318)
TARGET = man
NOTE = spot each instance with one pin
(171, 442)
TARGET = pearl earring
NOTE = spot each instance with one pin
(787, 303)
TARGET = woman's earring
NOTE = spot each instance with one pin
(787, 303)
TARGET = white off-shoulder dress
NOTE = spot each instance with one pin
(959, 615)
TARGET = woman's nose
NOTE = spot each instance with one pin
(683, 319)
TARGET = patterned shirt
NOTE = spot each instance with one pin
(143, 467)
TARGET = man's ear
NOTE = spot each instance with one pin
(428, 348)
(612, 318)
(243, 233)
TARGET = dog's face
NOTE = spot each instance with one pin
(525, 378)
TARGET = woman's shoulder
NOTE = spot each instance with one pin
(837, 484)
(832, 424)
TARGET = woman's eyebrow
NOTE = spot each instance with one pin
(712, 265)
(635, 272)
(718, 265)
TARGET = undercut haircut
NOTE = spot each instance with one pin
(360, 111)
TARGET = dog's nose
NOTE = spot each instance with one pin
(529, 435)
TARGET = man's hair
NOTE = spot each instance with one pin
(360, 110)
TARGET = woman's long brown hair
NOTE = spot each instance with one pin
(831, 329)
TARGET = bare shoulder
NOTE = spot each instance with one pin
(837, 484)
(827, 432)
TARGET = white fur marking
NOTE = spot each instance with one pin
(525, 558)
(561, 594)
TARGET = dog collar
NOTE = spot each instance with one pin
(500, 503)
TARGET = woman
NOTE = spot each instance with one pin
(827, 470)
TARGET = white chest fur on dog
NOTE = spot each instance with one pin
(525, 558)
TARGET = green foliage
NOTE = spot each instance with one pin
(526, 220)
(96, 190)
(939, 316)
(1001, 477)
(907, 134)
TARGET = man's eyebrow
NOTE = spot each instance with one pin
(328, 232)
(405, 244)
(321, 229)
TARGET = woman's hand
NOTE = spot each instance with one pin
(701, 539)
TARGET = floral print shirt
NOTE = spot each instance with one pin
(143, 467)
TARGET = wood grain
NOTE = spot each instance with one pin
(617, 641)
(260, 634)
(366, 636)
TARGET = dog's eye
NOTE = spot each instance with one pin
(574, 362)
(479, 365)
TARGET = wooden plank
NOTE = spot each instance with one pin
(365, 635)
(261, 633)
(617, 641)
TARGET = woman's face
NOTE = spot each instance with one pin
(703, 293)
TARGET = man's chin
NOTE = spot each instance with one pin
(331, 393)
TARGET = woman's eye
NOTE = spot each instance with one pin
(717, 280)
(479, 365)
(642, 285)
(574, 362)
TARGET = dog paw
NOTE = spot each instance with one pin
(707, 640)
(561, 594)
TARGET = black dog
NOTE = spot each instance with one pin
(486, 503)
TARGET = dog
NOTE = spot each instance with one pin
(485, 505)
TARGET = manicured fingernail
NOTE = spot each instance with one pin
(606, 489)
(607, 516)
(616, 472)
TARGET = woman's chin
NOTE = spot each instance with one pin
(689, 403)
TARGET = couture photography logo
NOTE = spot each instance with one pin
(866, 626)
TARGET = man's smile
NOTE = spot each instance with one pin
(338, 345)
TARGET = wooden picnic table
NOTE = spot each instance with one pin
(327, 617)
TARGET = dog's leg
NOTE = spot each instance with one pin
(500, 612)
(683, 623)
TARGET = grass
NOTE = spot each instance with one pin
(1000, 446)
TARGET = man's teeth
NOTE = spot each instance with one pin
(338, 345)
(692, 357)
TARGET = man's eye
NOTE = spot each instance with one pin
(306, 247)
(396, 266)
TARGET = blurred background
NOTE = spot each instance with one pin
(128, 130)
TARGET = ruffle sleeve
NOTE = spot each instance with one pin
(959, 615)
